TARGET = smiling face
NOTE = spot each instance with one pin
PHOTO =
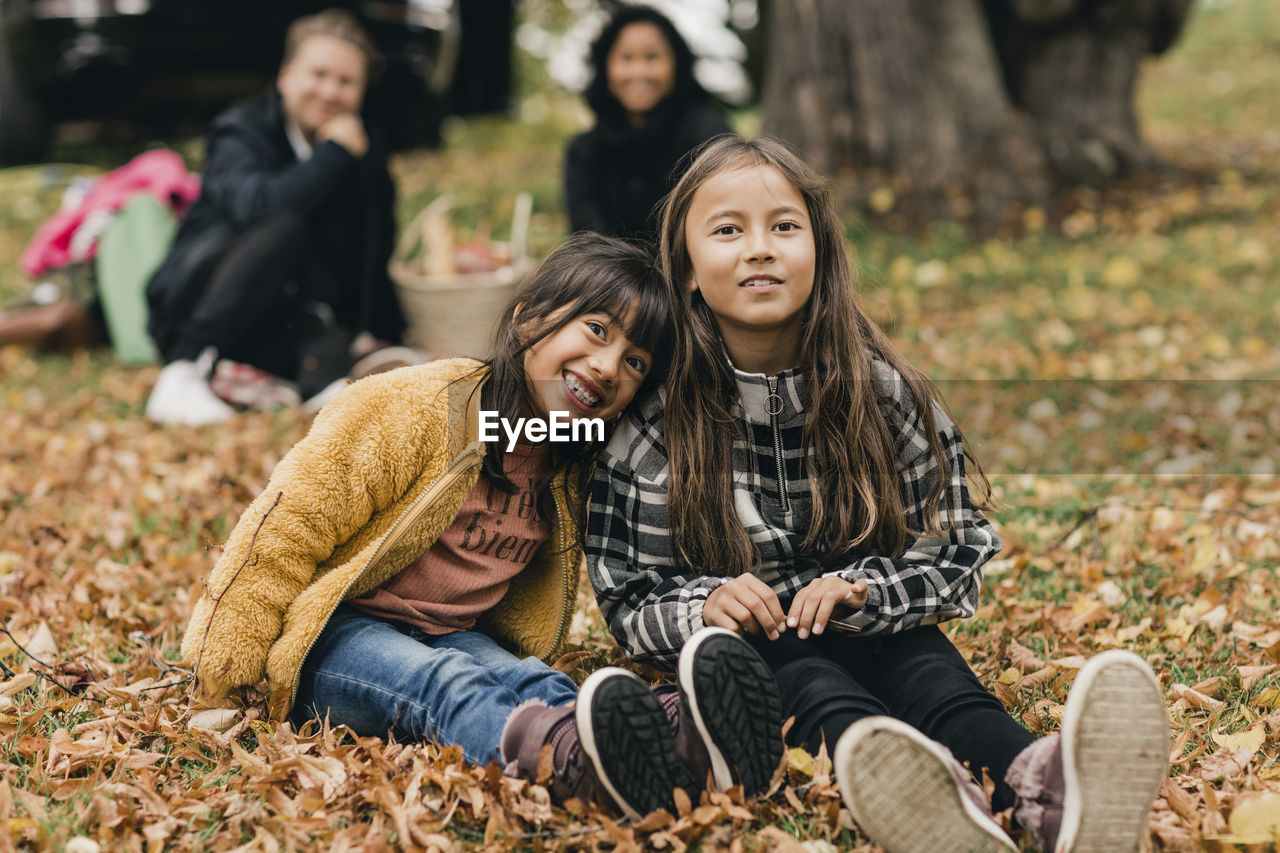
(751, 247)
(588, 367)
(325, 78)
(641, 69)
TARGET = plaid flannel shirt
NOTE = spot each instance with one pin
(652, 604)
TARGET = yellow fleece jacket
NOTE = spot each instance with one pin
(381, 474)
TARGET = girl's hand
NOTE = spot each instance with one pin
(745, 604)
(812, 606)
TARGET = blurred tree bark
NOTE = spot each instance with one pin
(482, 78)
(1007, 97)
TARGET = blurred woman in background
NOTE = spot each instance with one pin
(650, 112)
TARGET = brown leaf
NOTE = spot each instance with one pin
(1250, 674)
(1226, 763)
(653, 821)
(705, 815)
(1273, 651)
(1195, 698)
(1023, 658)
(215, 719)
(1180, 801)
(683, 804)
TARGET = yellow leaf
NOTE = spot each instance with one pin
(1122, 271)
(800, 762)
(1084, 604)
(1009, 676)
(1268, 698)
(26, 830)
(1216, 345)
(882, 200)
(1179, 627)
(1250, 740)
(900, 270)
(1255, 347)
(1256, 820)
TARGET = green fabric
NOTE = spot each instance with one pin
(131, 248)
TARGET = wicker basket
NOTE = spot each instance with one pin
(455, 313)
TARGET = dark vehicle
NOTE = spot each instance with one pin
(161, 62)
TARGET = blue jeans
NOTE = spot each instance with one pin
(384, 679)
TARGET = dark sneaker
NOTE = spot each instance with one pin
(613, 746)
(910, 795)
(729, 718)
(1114, 755)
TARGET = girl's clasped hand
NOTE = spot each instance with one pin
(747, 604)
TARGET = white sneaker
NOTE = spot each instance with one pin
(908, 795)
(182, 396)
(1115, 754)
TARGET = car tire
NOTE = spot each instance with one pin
(24, 127)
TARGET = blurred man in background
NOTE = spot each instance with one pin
(281, 263)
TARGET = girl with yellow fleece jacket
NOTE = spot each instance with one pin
(403, 577)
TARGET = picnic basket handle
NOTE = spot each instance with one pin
(412, 234)
(520, 225)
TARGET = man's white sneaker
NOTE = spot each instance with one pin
(182, 396)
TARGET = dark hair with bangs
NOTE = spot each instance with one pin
(851, 449)
(587, 274)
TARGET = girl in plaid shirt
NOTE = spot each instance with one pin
(797, 482)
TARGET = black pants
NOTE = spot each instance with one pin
(830, 682)
(265, 299)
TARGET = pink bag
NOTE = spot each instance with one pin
(160, 172)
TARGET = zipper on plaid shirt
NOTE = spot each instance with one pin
(773, 407)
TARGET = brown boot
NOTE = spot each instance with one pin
(613, 746)
(725, 712)
(1090, 789)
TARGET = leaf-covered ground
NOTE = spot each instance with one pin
(1114, 361)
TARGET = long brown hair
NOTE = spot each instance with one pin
(852, 455)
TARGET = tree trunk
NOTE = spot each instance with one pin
(1072, 65)
(1005, 97)
(911, 86)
